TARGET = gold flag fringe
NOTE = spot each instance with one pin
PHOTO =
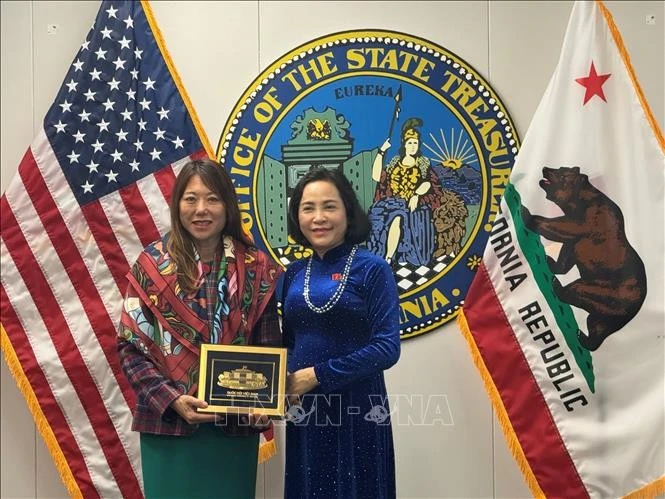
(267, 450)
(657, 486)
(631, 72)
(41, 422)
(176, 77)
(500, 410)
(650, 490)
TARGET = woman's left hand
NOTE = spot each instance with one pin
(300, 382)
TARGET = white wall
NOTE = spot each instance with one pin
(218, 48)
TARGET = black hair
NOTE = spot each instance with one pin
(181, 244)
(358, 224)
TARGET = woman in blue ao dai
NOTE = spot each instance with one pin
(341, 325)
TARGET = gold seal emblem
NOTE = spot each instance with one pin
(425, 142)
(242, 379)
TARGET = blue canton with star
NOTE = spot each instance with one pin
(119, 115)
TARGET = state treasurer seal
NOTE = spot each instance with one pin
(423, 139)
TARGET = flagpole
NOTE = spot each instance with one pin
(396, 110)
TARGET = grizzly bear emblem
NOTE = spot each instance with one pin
(612, 284)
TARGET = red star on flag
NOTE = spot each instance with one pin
(593, 84)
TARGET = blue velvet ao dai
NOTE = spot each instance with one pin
(339, 441)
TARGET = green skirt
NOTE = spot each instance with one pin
(207, 464)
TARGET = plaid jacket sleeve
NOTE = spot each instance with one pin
(146, 380)
(154, 391)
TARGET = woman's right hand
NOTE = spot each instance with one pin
(186, 405)
(385, 146)
(299, 383)
(377, 165)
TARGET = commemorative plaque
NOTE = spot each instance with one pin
(243, 379)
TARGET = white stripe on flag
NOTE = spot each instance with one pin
(121, 224)
(49, 361)
(79, 326)
(177, 166)
(156, 203)
(77, 225)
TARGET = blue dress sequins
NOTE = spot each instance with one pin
(339, 441)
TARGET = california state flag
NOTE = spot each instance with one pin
(565, 317)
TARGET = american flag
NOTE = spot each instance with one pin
(91, 191)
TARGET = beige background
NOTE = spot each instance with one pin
(218, 48)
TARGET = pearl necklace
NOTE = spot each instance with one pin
(340, 288)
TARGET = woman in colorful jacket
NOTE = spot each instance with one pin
(204, 282)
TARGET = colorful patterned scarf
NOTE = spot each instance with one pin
(168, 326)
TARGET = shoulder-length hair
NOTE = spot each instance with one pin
(358, 224)
(180, 244)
